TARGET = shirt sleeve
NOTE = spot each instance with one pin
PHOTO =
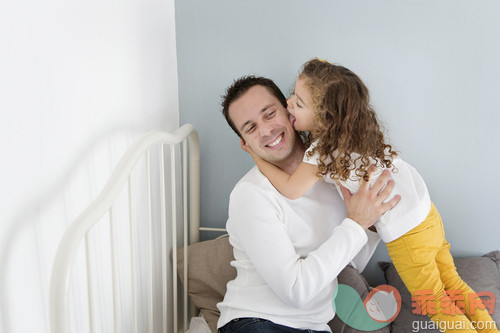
(313, 159)
(256, 226)
(363, 257)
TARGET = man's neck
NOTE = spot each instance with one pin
(293, 161)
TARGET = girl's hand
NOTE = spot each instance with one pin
(249, 150)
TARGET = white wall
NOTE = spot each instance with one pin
(431, 66)
(78, 82)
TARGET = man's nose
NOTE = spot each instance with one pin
(266, 129)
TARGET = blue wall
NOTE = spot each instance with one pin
(431, 66)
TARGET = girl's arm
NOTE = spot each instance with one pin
(291, 186)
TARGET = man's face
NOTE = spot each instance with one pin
(264, 124)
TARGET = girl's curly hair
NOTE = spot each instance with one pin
(347, 130)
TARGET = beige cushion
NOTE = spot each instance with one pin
(208, 273)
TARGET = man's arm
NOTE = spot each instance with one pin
(256, 228)
(375, 195)
(255, 224)
(364, 255)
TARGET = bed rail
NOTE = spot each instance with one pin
(186, 138)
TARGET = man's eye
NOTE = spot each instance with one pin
(250, 128)
(270, 114)
(298, 105)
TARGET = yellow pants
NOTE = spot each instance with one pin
(423, 260)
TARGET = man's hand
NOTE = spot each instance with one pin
(367, 205)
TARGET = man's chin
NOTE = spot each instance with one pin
(275, 156)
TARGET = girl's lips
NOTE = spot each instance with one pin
(292, 119)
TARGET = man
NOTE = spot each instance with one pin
(288, 253)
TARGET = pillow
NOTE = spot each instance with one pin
(480, 273)
(208, 273)
(351, 277)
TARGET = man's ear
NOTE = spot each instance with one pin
(244, 145)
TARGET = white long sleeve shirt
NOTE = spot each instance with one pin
(288, 253)
(410, 211)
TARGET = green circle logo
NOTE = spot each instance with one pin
(379, 309)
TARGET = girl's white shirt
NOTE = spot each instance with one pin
(411, 210)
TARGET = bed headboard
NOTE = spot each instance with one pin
(149, 207)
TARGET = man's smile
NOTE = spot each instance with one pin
(276, 141)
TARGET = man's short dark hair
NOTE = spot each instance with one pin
(241, 86)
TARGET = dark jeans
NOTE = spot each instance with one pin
(247, 325)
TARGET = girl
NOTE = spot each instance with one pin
(332, 104)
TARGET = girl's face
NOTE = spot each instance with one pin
(300, 105)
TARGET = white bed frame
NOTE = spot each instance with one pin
(185, 156)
